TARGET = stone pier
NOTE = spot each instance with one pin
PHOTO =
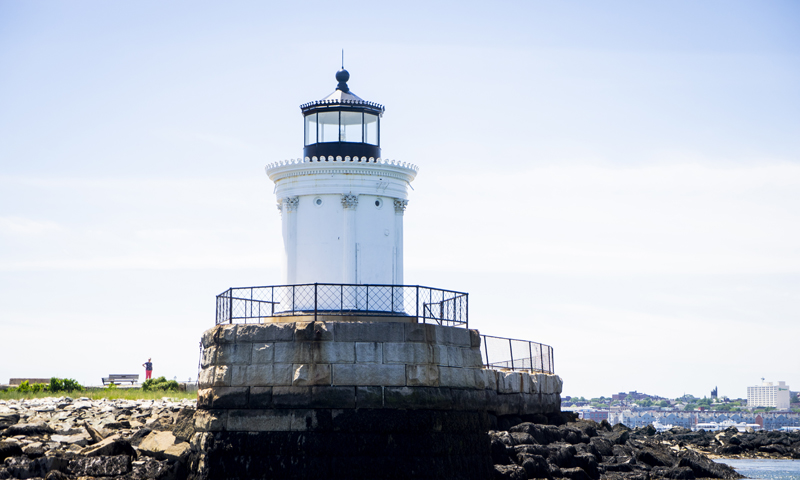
(353, 400)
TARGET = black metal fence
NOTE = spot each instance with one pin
(516, 355)
(429, 305)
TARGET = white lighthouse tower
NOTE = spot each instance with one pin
(342, 205)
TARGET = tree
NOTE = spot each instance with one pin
(663, 403)
(689, 407)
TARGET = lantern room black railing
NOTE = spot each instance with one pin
(428, 305)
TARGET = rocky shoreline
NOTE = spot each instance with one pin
(64, 438)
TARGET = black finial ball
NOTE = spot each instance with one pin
(342, 76)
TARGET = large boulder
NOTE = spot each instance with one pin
(111, 446)
(509, 472)
(162, 446)
(28, 429)
(703, 467)
(8, 419)
(9, 449)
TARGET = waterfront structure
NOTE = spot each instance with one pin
(707, 420)
(343, 369)
(769, 395)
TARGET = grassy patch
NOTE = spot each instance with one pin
(98, 393)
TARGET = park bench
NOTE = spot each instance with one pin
(118, 378)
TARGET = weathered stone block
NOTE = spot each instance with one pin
(207, 339)
(229, 397)
(333, 397)
(263, 353)
(369, 397)
(485, 379)
(468, 399)
(474, 339)
(222, 376)
(206, 378)
(369, 352)
(440, 354)
(265, 333)
(260, 420)
(408, 353)
(293, 352)
(455, 357)
(238, 376)
(422, 375)
(526, 383)
(260, 397)
(225, 334)
(457, 377)
(209, 420)
(311, 374)
(434, 398)
(451, 336)
(290, 397)
(509, 382)
(269, 375)
(234, 354)
(370, 374)
(313, 332)
(419, 332)
(369, 332)
(472, 358)
(209, 356)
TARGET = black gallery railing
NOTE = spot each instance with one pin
(428, 305)
(509, 354)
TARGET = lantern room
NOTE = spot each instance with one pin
(342, 124)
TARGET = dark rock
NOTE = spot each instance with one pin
(656, 456)
(532, 450)
(620, 427)
(522, 438)
(111, 446)
(603, 446)
(774, 448)
(575, 474)
(535, 465)
(507, 421)
(184, 425)
(587, 427)
(56, 475)
(93, 433)
(604, 425)
(679, 430)
(28, 429)
(648, 430)
(33, 452)
(500, 452)
(588, 463)
(22, 467)
(140, 434)
(9, 449)
(619, 437)
(572, 435)
(8, 419)
(563, 455)
(148, 469)
(678, 473)
(729, 450)
(509, 472)
(703, 467)
(101, 466)
(543, 434)
(117, 425)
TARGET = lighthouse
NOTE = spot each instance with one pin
(344, 371)
(342, 204)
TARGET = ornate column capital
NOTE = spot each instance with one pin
(349, 200)
(289, 203)
(400, 205)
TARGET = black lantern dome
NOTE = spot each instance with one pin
(342, 124)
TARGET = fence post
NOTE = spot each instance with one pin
(530, 356)
(315, 302)
(367, 306)
(230, 306)
(511, 351)
(485, 350)
(392, 298)
(272, 299)
(423, 320)
(292, 299)
(541, 357)
(466, 313)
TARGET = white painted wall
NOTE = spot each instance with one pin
(326, 242)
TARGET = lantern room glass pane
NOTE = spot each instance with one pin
(370, 129)
(351, 129)
(328, 126)
(311, 129)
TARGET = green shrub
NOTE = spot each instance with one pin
(64, 385)
(159, 383)
(111, 386)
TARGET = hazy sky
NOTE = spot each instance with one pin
(620, 180)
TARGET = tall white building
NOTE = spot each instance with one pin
(769, 395)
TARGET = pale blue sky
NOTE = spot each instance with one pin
(620, 180)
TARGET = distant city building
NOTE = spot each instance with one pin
(714, 393)
(769, 395)
(595, 415)
(697, 420)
